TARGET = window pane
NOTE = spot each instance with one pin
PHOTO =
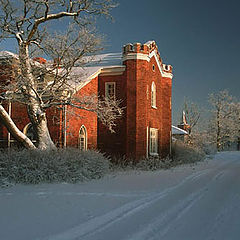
(110, 89)
(83, 139)
(153, 95)
(153, 140)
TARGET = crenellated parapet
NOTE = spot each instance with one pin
(145, 48)
(145, 52)
(167, 68)
(136, 48)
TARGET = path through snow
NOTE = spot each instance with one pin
(187, 202)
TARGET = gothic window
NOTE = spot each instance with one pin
(153, 95)
(110, 90)
(83, 138)
(153, 148)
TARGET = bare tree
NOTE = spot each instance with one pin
(192, 114)
(224, 124)
(41, 86)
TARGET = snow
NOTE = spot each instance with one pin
(105, 59)
(94, 65)
(178, 131)
(80, 76)
(187, 202)
(149, 43)
(7, 54)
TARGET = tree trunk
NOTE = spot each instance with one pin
(12, 128)
(218, 138)
(35, 111)
(39, 122)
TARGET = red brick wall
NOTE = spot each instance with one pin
(130, 137)
(20, 117)
(166, 116)
(78, 117)
(160, 118)
(140, 114)
(131, 83)
(54, 121)
(113, 143)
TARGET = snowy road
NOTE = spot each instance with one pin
(188, 202)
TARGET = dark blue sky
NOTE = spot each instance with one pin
(200, 39)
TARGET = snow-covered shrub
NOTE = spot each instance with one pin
(209, 149)
(203, 141)
(121, 163)
(183, 153)
(154, 163)
(144, 164)
(70, 165)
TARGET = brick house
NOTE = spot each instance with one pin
(139, 78)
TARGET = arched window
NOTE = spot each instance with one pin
(29, 132)
(83, 138)
(153, 95)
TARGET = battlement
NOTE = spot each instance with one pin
(144, 52)
(167, 68)
(145, 48)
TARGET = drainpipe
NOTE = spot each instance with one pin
(9, 113)
(147, 144)
(170, 143)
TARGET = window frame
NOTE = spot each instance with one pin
(107, 84)
(153, 149)
(85, 138)
(153, 95)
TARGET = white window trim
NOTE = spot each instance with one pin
(106, 88)
(150, 144)
(153, 95)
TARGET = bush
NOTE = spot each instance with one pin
(202, 141)
(34, 166)
(121, 163)
(154, 163)
(183, 153)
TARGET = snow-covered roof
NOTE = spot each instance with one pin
(7, 54)
(94, 66)
(107, 59)
(178, 131)
(80, 76)
(86, 69)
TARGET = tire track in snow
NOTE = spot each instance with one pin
(102, 222)
(159, 227)
(167, 219)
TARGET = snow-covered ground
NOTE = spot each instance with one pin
(185, 203)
